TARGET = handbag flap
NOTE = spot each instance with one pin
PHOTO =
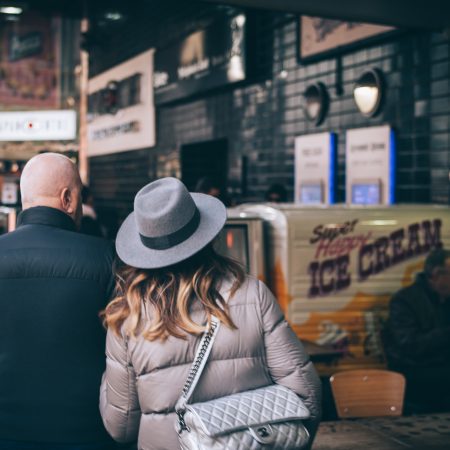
(247, 409)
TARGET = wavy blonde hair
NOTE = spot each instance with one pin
(168, 294)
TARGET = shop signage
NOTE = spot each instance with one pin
(57, 125)
(315, 159)
(206, 59)
(336, 250)
(370, 166)
(116, 95)
(30, 62)
(24, 46)
(121, 113)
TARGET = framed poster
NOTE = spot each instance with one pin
(319, 38)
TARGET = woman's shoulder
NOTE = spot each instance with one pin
(250, 290)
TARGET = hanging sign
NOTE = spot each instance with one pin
(55, 125)
(204, 60)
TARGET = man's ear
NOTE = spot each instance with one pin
(66, 201)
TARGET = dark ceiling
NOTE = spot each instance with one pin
(404, 13)
(80, 8)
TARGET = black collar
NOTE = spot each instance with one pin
(43, 215)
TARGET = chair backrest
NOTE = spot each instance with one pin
(368, 393)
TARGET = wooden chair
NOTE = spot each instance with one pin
(368, 393)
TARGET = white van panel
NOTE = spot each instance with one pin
(334, 269)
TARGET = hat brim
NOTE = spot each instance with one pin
(133, 252)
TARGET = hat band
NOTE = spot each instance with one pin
(175, 238)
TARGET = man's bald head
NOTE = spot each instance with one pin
(52, 180)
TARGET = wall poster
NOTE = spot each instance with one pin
(29, 62)
(320, 37)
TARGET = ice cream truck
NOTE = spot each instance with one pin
(335, 268)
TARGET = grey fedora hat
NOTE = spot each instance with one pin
(168, 225)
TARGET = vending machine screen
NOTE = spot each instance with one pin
(311, 194)
(233, 242)
(366, 194)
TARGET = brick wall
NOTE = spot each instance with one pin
(261, 119)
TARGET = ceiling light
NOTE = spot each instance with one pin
(114, 16)
(14, 10)
(240, 20)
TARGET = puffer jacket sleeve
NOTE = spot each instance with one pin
(287, 361)
(119, 405)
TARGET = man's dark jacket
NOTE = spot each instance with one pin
(53, 283)
(418, 331)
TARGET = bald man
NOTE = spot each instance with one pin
(52, 180)
(54, 282)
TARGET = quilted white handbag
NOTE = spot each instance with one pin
(264, 418)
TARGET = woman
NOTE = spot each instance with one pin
(171, 284)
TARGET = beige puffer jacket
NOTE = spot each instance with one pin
(144, 379)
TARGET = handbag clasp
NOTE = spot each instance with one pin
(263, 434)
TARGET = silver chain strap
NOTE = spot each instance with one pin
(197, 365)
(198, 361)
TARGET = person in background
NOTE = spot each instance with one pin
(89, 221)
(206, 185)
(276, 193)
(53, 283)
(171, 283)
(417, 336)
